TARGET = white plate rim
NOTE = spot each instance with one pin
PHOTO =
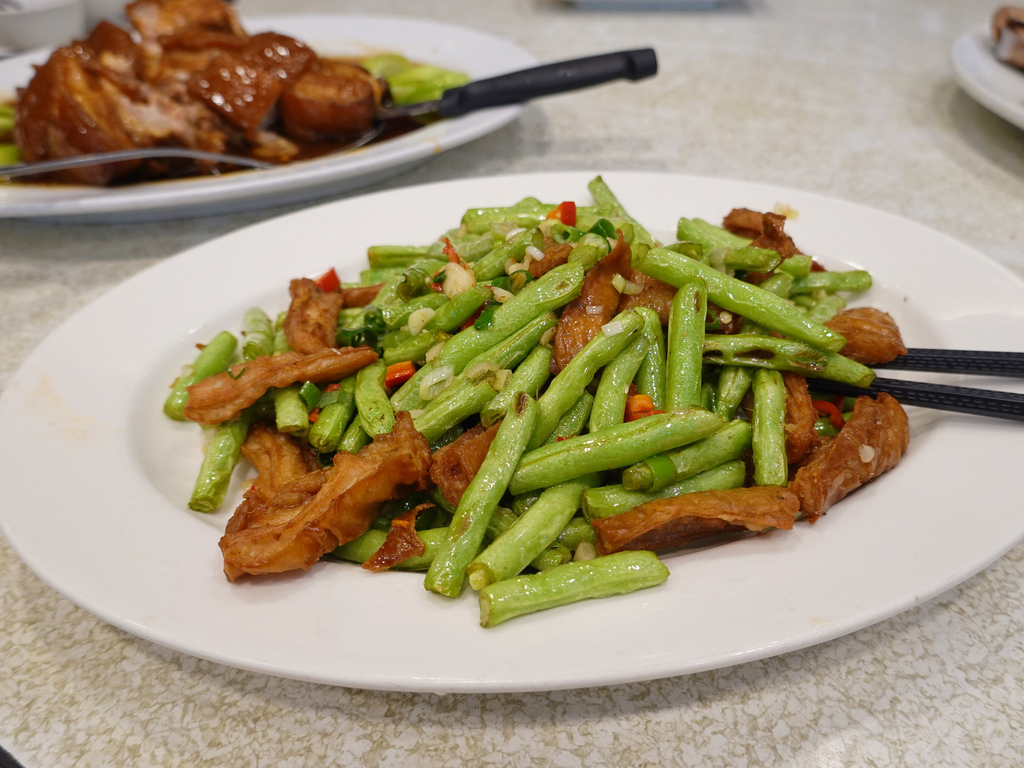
(484, 663)
(304, 180)
(996, 86)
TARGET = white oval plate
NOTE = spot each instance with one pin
(95, 481)
(996, 86)
(451, 47)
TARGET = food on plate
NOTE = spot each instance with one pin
(186, 74)
(520, 429)
(1008, 35)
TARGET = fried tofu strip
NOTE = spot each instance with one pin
(597, 304)
(744, 222)
(872, 335)
(673, 522)
(801, 437)
(872, 442)
(401, 543)
(352, 492)
(554, 256)
(225, 395)
(360, 295)
(311, 324)
(456, 464)
(655, 295)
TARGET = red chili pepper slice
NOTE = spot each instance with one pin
(565, 212)
(450, 252)
(328, 282)
(825, 408)
(398, 374)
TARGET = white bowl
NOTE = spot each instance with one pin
(98, 10)
(42, 23)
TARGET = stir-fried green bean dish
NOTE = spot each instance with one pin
(541, 400)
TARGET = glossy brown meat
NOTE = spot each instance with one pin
(555, 255)
(65, 110)
(801, 438)
(774, 237)
(676, 521)
(872, 442)
(872, 335)
(456, 464)
(1008, 35)
(154, 19)
(243, 85)
(224, 396)
(401, 543)
(330, 104)
(655, 294)
(361, 295)
(311, 324)
(355, 489)
(577, 326)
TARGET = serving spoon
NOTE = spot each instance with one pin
(512, 88)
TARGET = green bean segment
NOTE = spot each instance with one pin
(375, 412)
(447, 572)
(615, 446)
(213, 358)
(727, 444)
(685, 340)
(610, 399)
(784, 355)
(605, 576)
(769, 428)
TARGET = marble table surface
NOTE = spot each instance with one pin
(851, 99)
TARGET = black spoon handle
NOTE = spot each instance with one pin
(560, 77)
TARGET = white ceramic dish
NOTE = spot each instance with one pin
(94, 480)
(41, 22)
(993, 84)
(478, 55)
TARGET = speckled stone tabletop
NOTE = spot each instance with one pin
(852, 99)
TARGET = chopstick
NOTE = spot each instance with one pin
(945, 397)
(7, 760)
(959, 361)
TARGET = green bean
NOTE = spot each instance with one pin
(325, 434)
(742, 298)
(363, 548)
(856, 280)
(574, 420)
(464, 390)
(375, 412)
(458, 310)
(415, 280)
(377, 276)
(291, 415)
(827, 307)
(355, 437)
(797, 265)
(493, 264)
(609, 205)
(769, 428)
(612, 390)
(650, 377)
(526, 213)
(400, 346)
(212, 358)
(530, 535)
(612, 447)
(685, 339)
(605, 576)
(473, 247)
(504, 519)
(447, 572)
(751, 259)
(733, 385)
(280, 337)
(589, 250)
(222, 454)
(529, 376)
(614, 499)
(389, 256)
(708, 235)
(397, 314)
(727, 444)
(784, 355)
(258, 332)
(576, 531)
(564, 390)
(473, 396)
